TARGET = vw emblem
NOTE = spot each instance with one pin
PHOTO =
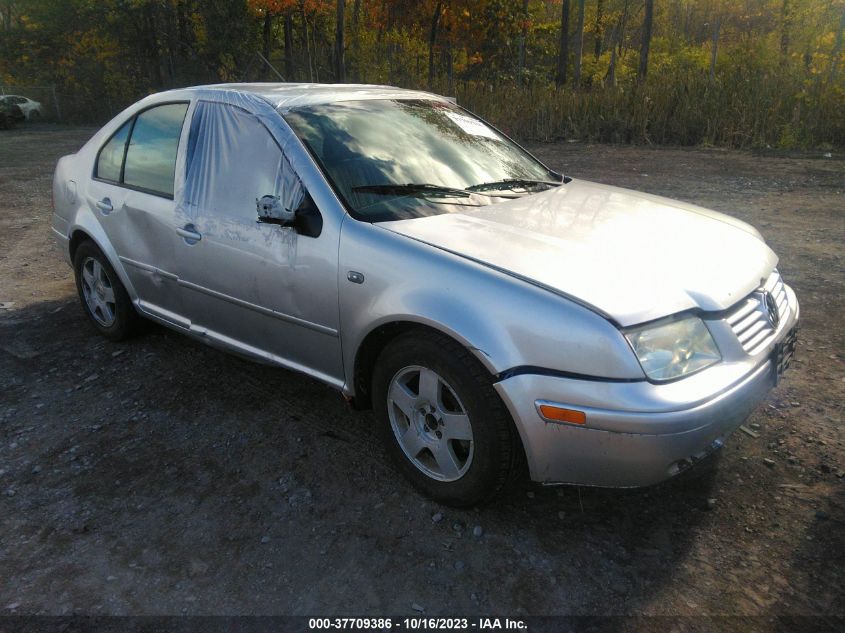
(772, 309)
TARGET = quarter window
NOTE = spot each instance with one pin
(110, 159)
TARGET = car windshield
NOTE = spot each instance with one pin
(391, 159)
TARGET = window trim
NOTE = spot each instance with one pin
(131, 121)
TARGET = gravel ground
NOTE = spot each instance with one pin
(158, 476)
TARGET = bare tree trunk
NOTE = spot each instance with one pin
(579, 43)
(185, 30)
(614, 52)
(171, 26)
(523, 39)
(449, 66)
(390, 8)
(785, 27)
(152, 45)
(340, 65)
(837, 48)
(620, 37)
(563, 51)
(648, 24)
(714, 49)
(307, 41)
(432, 42)
(599, 28)
(356, 42)
(267, 34)
(289, 46)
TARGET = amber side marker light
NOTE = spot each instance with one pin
(559, 414)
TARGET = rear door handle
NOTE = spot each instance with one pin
(189, 233)
(105, 206)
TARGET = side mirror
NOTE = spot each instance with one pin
(305, 219)
(309, 221)
(271, 211)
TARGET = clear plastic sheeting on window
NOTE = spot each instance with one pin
(232, 159)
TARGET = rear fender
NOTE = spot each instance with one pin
(87, 222)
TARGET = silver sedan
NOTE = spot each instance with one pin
(498, 316)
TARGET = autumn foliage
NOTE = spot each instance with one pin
(740, 73)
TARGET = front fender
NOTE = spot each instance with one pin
(506, 322)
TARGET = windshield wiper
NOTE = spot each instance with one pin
(412, 188)
(511, 183)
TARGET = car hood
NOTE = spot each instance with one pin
(632, 257)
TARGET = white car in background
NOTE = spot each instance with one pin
(32, 110)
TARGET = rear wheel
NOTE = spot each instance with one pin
(442, 421)
(102, 294)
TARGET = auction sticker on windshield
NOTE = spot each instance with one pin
(472, 126)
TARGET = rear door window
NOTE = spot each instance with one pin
(151, 155)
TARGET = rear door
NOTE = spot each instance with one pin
(132, 192)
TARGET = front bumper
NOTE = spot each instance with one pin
(639, 433)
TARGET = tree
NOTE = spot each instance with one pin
(523, 38)
(563, 50)
(785, 25)
(340, 66)
(579, 42)
(599, 28)
(289, 73)
(837, 48)
(714, 47)
(617, 37)
(432, 41)
(648, 24)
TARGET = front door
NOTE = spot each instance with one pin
(262, 289)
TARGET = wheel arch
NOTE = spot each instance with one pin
(379, 337)
(84, 231)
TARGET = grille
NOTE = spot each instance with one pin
(750, 319)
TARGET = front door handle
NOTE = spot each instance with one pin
(105, 206)
(189, 233)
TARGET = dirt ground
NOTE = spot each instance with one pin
(158, 476)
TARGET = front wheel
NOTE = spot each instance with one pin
(441, 420)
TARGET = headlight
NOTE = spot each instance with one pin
(672, 350)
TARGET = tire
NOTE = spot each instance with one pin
(35, 115)
(476, 470)
(103, 296)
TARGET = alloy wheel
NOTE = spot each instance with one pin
(99, 292)
(430, 423)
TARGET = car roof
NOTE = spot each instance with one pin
(292, 95)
